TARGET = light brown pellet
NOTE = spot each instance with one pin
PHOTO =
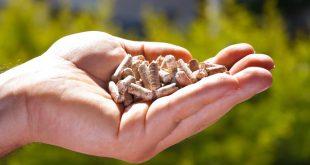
(154, 76)
(159, 60)
(166, 90)
(144, 74)
(165, 77)
(140, 83)
(171, 63)
(182, 65)
(207, 64)
(126, 72)
(182, 79)
(193, 65)
(163, 65)
(138, 57)
(126, 63)
(140, 92)
(128, 99)
(216, 69)
(200, 73)
(135, 68)
(116, 96)
(123, 84)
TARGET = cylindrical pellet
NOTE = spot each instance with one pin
(144, 74)
(193, 65)
(186, 69)
(128, 99)
(135, 68)
(216, 69)
(159, 60)
(163, 65)
(126, 72)
(123, 84)
(154, 76)
(206, 65)
(126, 63)
(200, 73)
(171, 63)
(138, 57)
(165, 77)
(166, 90)
(140, 83)
(140, 92)
(116, 96)
(182, 79)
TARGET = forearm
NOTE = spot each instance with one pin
(13, 113)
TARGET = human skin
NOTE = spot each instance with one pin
(60, 98)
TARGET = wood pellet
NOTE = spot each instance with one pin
(137, 79)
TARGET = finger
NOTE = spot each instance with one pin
(131, 127)
(151, 50)
(167, 112)
(251, 81)
(253, 60)
(231, 54)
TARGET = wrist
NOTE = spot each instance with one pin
(13, 113)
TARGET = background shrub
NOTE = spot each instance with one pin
(271, 128)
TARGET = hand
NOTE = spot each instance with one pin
(63, 99)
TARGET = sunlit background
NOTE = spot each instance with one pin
(271, 128)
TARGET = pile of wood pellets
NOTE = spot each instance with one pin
(135, 79)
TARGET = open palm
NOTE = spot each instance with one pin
(68, 104)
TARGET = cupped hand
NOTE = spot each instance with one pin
(68, 104)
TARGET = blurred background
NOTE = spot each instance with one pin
(271, 128)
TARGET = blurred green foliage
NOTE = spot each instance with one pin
(271, 128)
